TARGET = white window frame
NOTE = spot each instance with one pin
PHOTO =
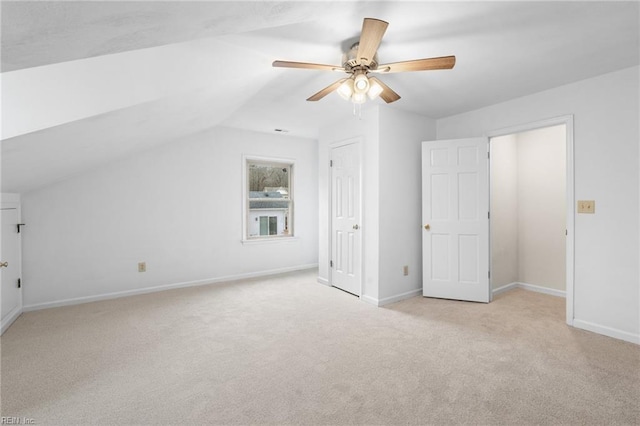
(291, 164)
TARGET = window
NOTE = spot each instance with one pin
(268, 198)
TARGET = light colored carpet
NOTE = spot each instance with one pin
(286, 350)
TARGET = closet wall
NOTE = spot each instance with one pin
(528, 208)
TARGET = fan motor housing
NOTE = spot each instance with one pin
(350, 59)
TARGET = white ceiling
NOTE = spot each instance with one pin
(84, 83)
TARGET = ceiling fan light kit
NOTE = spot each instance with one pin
(360, 82)
(346, 89)
(374, 90)
(359, 98)
(361, 60)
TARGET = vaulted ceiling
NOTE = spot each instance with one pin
(87, 82)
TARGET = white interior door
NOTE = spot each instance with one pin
(455, 214)
(346, 243)
(10, 291)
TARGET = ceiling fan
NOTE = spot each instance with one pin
(362, 60)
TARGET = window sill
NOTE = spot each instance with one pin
(269, 240)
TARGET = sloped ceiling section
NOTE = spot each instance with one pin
(36, 33)
(86, 82)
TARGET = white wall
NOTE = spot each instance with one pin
(606, 110)
(504, 211)
(391, 170)
(400, 169)
(542, 207)
(176, 207)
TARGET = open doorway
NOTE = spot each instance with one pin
(529, 211)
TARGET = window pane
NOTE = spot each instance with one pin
(268, 179)
(273, 225)
(264, 225)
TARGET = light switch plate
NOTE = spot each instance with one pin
(586, 206)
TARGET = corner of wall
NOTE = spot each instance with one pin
(400, 202)
(366, 128)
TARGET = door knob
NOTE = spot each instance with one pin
(356, 227)
(427, 227)
(4, 264)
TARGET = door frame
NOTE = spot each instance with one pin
(12, 201)
(567, 120)
(358, 142)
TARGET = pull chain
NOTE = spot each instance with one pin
(359, 110)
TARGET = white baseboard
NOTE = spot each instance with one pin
(504, 288)
(118, 294)
(530, 287)
(392, 299)
(323, 281)
(607, 331)
(11, 317)
(399, 297)
(584, 325)
(544, 290)
(369, 299)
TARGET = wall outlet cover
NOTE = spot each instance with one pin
(586, 206)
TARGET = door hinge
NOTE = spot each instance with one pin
(488, 154)
(330, 163)
(488, 215)
(331, 263)
(489, 274)
(566, 232)
(19, 283)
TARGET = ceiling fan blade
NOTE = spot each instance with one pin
(370, 38)
(324, 92)
(306, 65)
(387, 94)
(442, 63)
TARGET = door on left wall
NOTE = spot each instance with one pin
(10, 286)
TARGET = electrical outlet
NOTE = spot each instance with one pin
(405, 270)
(142, 266)
(586, 206)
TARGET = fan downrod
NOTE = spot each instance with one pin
(351, 63)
